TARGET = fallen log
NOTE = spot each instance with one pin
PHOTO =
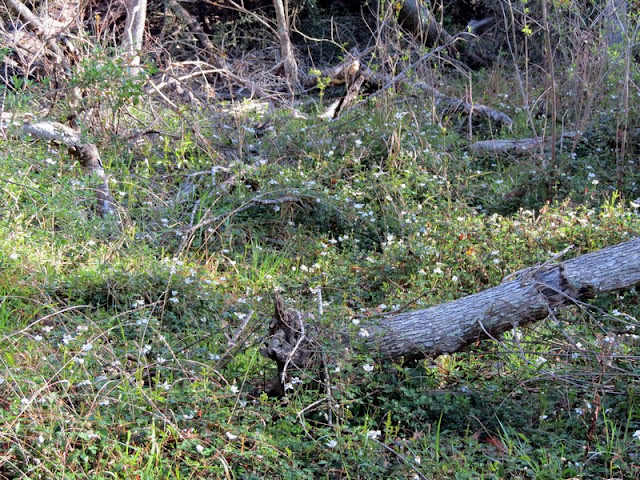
(522, 298)
(516, 146)
(531, 146)
(418, 18)
(352, 71)
(85, 152)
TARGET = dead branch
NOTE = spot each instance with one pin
(219, 219)
(86, 153)
(186, 18)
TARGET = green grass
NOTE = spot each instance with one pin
(116, 357)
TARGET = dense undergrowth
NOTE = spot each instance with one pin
(131, 350)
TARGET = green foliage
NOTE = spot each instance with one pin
(133, 350)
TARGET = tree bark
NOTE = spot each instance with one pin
(522, 298)
(615, 22)
(286, 48)
(528, 296)
(185, 17)
(134, 31)
(417, 18)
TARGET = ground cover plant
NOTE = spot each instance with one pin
(130, 343)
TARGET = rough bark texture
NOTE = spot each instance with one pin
(193, 23)
(288, 58)
(529, 297)
(615, 22)
(289, 344)
(517, 146)
(524, 297)
(134, 30)
(416, 17)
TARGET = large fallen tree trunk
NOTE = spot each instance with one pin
(522, 298)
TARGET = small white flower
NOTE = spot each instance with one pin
(174, 300)
(13, 256)
(368, 368)
(544, 417)
(40, 439)
(38, 338)
(234, 389)
(355, 321)
(438, 271)
(199, 448)
(331, 443)
(417, 460)
(231, 436)
(636, 434)
(87, 347)
(91, 435)
(373, 434)
(363, 332)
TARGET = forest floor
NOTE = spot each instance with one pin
(130, 342)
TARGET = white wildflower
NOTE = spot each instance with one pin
(373, 434)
